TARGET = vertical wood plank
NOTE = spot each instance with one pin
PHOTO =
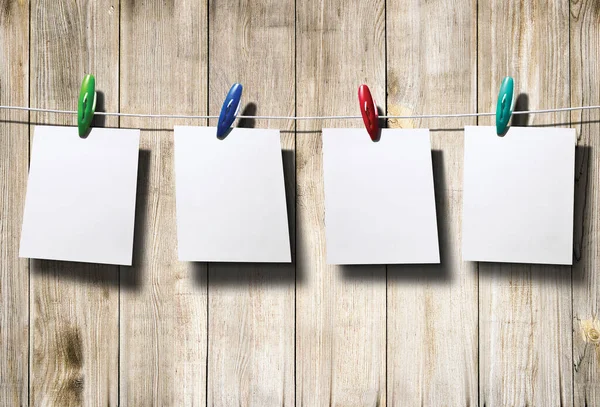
(525, 310)
(74, 307)
(585, 90)
(14, 150)
(432, 310)
(70, 363)
(163, 301)
(251, 307)
(340, 311)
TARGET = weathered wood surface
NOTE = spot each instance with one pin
(163, 301)
(525, 311)
(73, 307)
(251, 306)
(340, 311)
(14, 155)
(585, 90)
(169, 333)
(432, 310)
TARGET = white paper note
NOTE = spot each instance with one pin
(231, 204)
(80, 203)
(518, 195)
(379, 197)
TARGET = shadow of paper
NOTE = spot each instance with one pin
(274, 274)
(131, 276)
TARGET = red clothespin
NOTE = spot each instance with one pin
(369, 111)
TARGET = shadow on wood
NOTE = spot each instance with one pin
(99, 120)
(540, 272)
(362, 272)
(105, 274)
(289, 175)
(521, 105)
(383, 123)
(130, 276)
(249, 110)
(432, 272)
(582, 215)
(87, 273)
(270, 274)
(418, 272)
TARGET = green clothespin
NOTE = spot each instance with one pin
(504, 107)
(87, 104)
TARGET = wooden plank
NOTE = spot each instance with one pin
(585, 90)
(432, 310)
(340, 311)
(251, 307)
(163, 301)
(74, 307)
(525, 311)
(14, 150)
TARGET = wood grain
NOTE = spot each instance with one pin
(340, 311)
(432, 310)
(164, 332)
(14, 154)
(74, 307)
(251, 307)
(163, 304)
(585, 90)
(525, 311)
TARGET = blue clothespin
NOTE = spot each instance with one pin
(229, 110)
(504, 107)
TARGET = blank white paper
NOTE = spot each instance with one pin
(230, 196)
(379, 197)
(518, 195)
(80, 202)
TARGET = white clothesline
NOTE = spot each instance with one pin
(182, 116)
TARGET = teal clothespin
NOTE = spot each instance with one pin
(87, 104)
(504, 107)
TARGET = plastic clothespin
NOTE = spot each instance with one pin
(87, 104)
(504, 107)
(368, 111)
(229, 110)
